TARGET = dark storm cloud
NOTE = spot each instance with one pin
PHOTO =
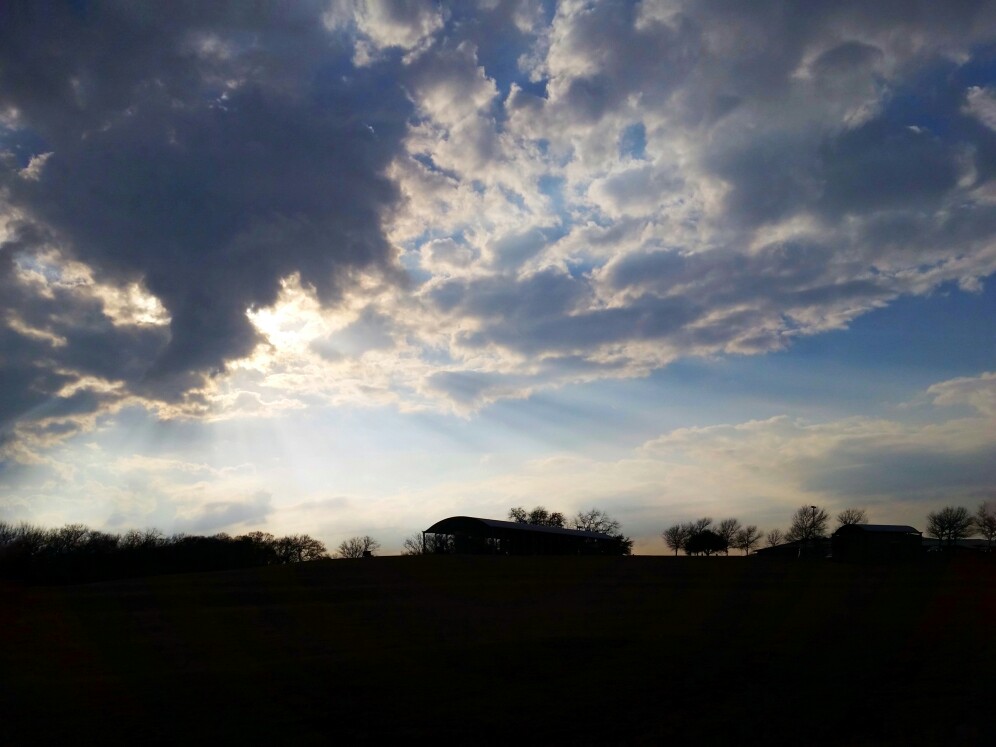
(50, 340)
(204, 151)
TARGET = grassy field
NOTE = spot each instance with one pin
(639, 650)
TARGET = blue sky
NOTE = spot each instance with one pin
(350, 267)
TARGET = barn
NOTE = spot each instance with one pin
(473, 536)
(876, 543)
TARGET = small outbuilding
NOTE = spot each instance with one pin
(876, 543)
(473, 536)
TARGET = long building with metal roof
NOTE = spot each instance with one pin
(471, 535)
(876, 542)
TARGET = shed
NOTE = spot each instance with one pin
(494, 537)
(876, 543)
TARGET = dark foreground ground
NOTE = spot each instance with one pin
(515, 650)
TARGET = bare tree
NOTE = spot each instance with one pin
(298, 548)
(356, 547)
(595, 520)
(851, 516)
(985, 521)
(728, 529)
(143, 539)
(808, 523)
(676, 536)
(700, 525)
(775, 537)
(747, 538)
(67, 538)
(950, 524)
(427, 544)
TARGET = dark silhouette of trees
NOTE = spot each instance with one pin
(595, 520)
(700, 537)
(775, 537)
(747, 538)
(676, 536)
(700, 525)
(623, 544)
(728, 529)
(538, 515)
(809, 523)
(427, 544)
(706, 543)
(357, 547)
(299, 548)
(950, 524)
(985, 521)
(851, 516)
(74, 553)
(261, 547)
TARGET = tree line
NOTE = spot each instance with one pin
(75, 553)
(811, 523)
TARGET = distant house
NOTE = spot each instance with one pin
(876, 543)
(475, 536)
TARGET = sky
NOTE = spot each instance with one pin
(352, 267)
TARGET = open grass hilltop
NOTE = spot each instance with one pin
(545, 650)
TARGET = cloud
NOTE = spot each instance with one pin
(215, 516)
(978, 392)
(475, 202)
(859, 459)
(194, 158)
(403, 24)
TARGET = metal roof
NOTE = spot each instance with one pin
(894, 528)
(463, 523)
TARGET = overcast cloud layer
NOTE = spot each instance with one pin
(241, 210)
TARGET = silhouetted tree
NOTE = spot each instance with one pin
(775, 537)
(700, 525)
(850, 516)
(705, 542)
(75, 553)
(299, 548)
(355, 547)
(595, 520)
(538, 515)
(950, 524)
(66, 539)
(747, 538)
(985, 521)
(728, 529)
(261, 547)
(427, 544)
(676, 536)
(809, 523)
(144, 539)
(623, 545)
